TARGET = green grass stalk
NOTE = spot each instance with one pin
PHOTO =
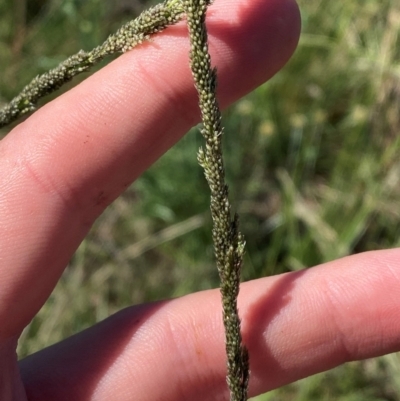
(151, 21)
(228, 241)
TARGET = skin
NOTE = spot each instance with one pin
(61, 168)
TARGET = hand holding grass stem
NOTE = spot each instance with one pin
(228, 241)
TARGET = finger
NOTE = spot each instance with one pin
(294, 325)
(66, 163)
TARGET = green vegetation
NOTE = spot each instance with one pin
(323, 182)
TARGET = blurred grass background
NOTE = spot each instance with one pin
(311, 158)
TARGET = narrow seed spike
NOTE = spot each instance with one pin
(133, 33)
(228, 245)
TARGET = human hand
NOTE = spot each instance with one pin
(68, 161)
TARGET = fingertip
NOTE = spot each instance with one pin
(253, 44)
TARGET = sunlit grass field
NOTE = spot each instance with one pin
(313, 165)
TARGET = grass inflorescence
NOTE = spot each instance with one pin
(228, 241)
(151, 21)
